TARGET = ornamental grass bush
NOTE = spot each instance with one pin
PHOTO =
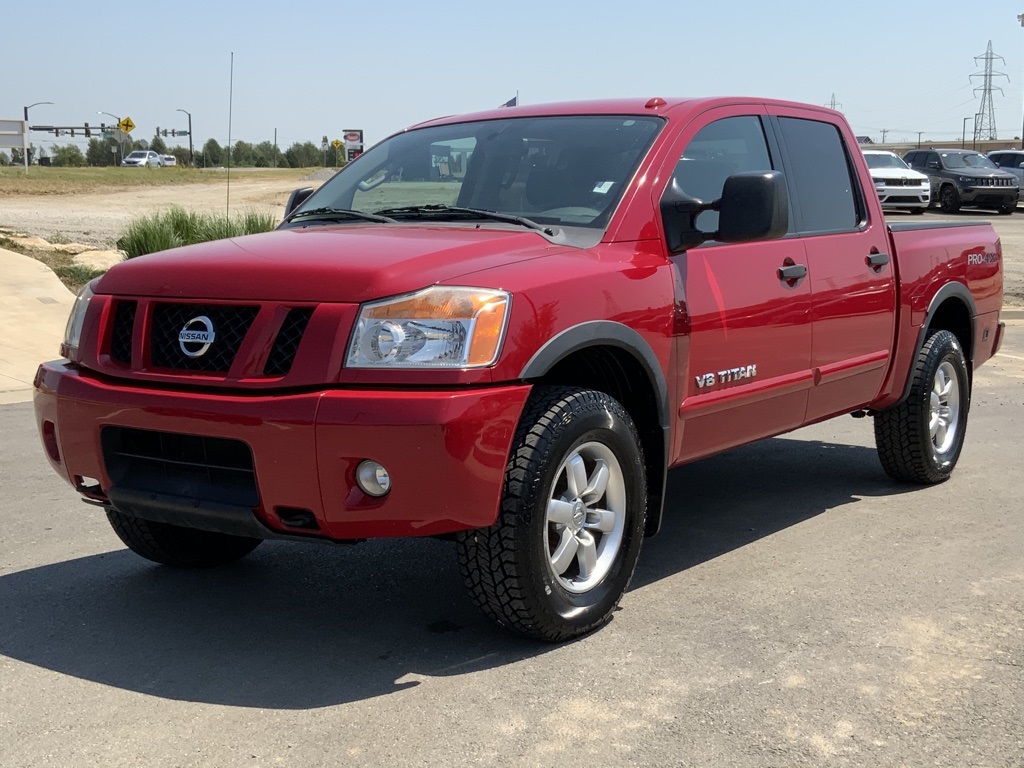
(176, 227)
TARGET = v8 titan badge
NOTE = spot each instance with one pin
(196, 336)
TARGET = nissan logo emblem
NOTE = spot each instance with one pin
(196, 336)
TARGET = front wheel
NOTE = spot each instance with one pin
(919, 440)
(1008, 208)
(949, 199)
(558, 560)
(177, 546)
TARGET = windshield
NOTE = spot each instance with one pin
(563, 171)
(137, 154)
(968, 160)
(885, 160)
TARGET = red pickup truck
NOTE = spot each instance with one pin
(504, 328)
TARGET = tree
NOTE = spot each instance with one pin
(68, 156)
(158, 145)
(212, 153)
(99, 153)
(243, 154)
(4, 159)
(17, 156)
(304, 155)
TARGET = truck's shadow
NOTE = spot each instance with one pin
(298, 627)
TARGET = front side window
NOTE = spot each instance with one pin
(822, 174)
(566, 171)
(720, 149)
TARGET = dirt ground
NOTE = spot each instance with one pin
(98, 218)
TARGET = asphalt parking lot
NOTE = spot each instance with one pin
(798, 609)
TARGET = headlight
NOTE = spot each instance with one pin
(439, 327)
(879, 182)
(968, 180)
(73, 332)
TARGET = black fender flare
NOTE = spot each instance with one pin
(948, 291)
(609, 333)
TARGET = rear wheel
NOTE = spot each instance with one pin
(558, 560)
(177, 546)
(949, 199)
(919, 441)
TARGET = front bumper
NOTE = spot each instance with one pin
(445, 450)
(988, 196)
(904, 197)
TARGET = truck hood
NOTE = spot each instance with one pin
(348, 263)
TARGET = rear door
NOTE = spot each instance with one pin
(853, 292)
(747, 342)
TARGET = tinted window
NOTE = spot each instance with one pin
(720, 149)
(821, 175)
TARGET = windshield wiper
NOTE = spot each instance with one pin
(328, 212)
(478, 212)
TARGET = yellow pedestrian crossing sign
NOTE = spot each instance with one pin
(126, 125)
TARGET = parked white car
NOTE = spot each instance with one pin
(142, 158)
(898, 187)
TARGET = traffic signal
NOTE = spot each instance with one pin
(88, 132)
(173, 132)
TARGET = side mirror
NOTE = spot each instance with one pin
(295, 199)
(754, 206)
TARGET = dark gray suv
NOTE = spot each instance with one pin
(963, 177)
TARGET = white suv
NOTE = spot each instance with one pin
(898, 187)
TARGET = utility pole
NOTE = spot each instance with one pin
(884, 131)
(919, 139)
(273, 163)
(985, 127)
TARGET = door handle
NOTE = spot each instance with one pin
(792, 272)
(877, 260)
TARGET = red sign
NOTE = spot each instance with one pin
(353, 137)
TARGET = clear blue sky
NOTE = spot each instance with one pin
(310, 69)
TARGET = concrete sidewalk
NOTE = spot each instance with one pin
(34, 307)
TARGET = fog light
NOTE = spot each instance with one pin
(373, 479)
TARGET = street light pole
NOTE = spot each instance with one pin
(28, 152)
(963, 137)
(191, 154)
(117, 120)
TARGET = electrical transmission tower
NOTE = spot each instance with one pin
(985, 124)
(833, 104)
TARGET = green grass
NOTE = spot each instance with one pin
(176, 227)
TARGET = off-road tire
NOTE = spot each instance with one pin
(508, 567)
(177, 546)
(905, 443)
(949, 199)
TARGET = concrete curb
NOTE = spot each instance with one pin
(1011, 313)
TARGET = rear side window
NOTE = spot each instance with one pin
(829, 201)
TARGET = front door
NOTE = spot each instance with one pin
(747, 336)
